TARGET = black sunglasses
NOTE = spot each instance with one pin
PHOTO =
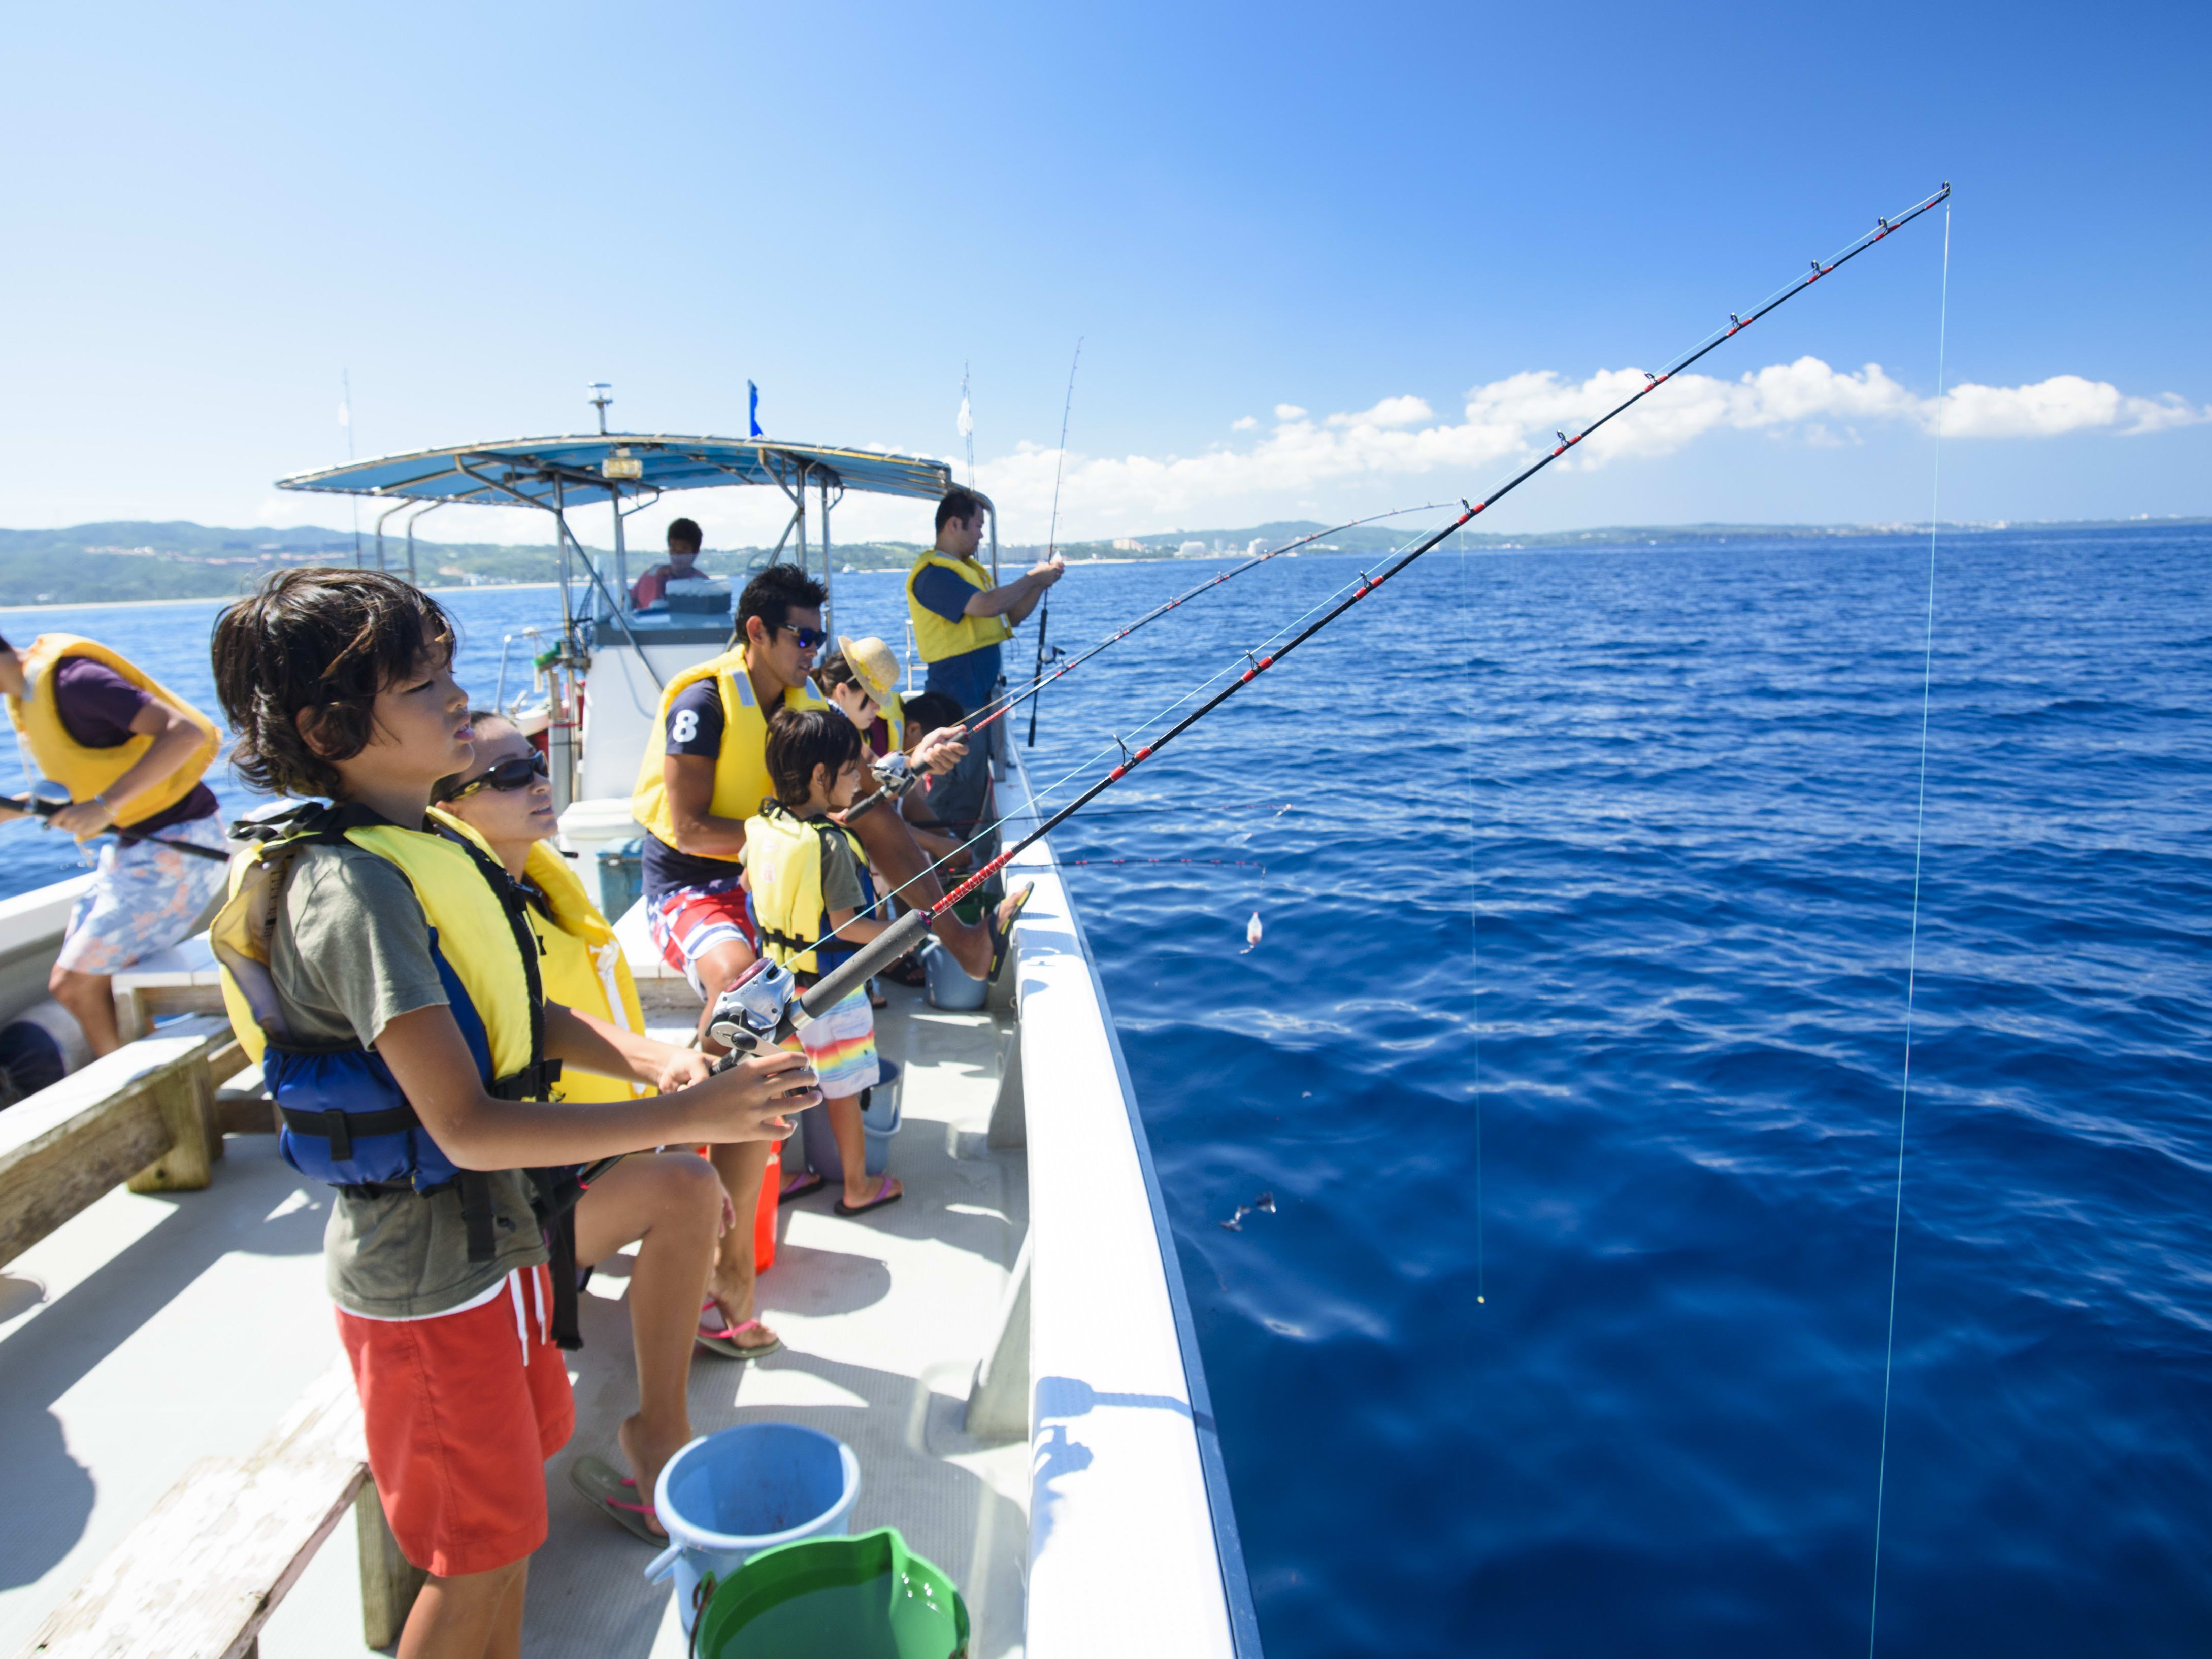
(810, 638)
(515, 772)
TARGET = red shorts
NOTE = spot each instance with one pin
(690, 921)
(461, 1412)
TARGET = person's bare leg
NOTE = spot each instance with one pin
(889, 842)
(719, 969)
(90, 997)
(672, 1204)
(742, 1166)
(860, 1187)
(476, 1615)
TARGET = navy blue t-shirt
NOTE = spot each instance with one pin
(968, 678)
(695, 727)
(96, 706)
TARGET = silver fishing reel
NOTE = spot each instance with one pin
(749, 1016)
(894, 774)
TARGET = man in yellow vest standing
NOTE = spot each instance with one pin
(131, 752)
(959, 622)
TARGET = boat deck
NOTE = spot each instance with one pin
(152, 1331)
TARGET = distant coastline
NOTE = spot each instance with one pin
(141, 562)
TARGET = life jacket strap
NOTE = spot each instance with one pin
(478, 1214)
(339, 1128)
(532, 1081)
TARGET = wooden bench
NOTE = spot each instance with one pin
(144, 1116)
(181, 980)
(200, 1575)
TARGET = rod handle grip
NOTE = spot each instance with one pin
(879, 953)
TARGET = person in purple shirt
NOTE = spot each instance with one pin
(69, 701)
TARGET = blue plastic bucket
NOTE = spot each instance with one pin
(880, 1117)
(729, 1495)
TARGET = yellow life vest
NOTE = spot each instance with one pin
(741, 778)
(582, 968)
(471, 934)
(938, 639)
(892, 710)
(84, 772)
(783, 866)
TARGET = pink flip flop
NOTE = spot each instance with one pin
(722, 1337)
(875, 1203)
(603, 1489)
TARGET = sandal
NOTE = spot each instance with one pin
(875, 1203)
(1002, 937)
(907, 971)
(603, 1489)
(805, 1181)
(876, 999)
(725, 1342)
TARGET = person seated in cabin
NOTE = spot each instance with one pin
(130, 753)
(671, 1205)
(959, 622)
(685, 540)
(380, 965)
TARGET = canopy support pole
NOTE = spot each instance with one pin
(829, 564)
(411, 523)
(381, 518)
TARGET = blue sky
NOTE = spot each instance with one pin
(1407, 219)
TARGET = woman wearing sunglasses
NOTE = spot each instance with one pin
(671, 1204)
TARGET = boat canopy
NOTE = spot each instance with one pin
(561, 472)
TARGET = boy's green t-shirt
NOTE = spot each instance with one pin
(352, 952)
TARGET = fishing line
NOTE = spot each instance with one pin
(1473, 917)
(984, 832)
(986, 712)
(1912, 948)
(907, 931)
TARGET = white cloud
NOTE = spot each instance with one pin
(1514, 419)
(1397, 445)
(1390, 412)
(1244, 423)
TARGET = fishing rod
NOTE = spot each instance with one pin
(1052, 543)
(991, 711)
(767, 1006)
(37, 806)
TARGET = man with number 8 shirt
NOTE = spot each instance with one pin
(704, 773)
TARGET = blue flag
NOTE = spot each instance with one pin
(752, 409)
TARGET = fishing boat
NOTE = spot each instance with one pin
(1009, 1353)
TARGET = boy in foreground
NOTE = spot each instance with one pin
(393, 988)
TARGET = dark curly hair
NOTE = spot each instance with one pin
(325, 639)
(774, 594)
(800, 739)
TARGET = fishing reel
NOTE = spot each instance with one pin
(754, 1013)
(894, 774)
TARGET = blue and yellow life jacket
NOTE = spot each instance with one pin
(347, 1122)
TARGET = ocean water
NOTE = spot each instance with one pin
(1571, 1054)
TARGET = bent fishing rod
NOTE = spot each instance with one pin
(998, 706)
(766, 1008)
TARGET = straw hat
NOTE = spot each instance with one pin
(872, 665)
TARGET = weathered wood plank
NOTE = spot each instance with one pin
(202, 1572)
(186, 1100)
(65, 1146)
(389, 1582)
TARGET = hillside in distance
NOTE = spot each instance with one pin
(141, 559)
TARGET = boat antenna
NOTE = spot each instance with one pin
(904, 933)
(346, 420)
(600, 400)
(1052, 540)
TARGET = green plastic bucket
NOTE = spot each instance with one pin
(835, 1598)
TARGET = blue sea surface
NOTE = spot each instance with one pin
(1573, 1051)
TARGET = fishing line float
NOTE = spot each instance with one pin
(767, 1006)
(1052, 539)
